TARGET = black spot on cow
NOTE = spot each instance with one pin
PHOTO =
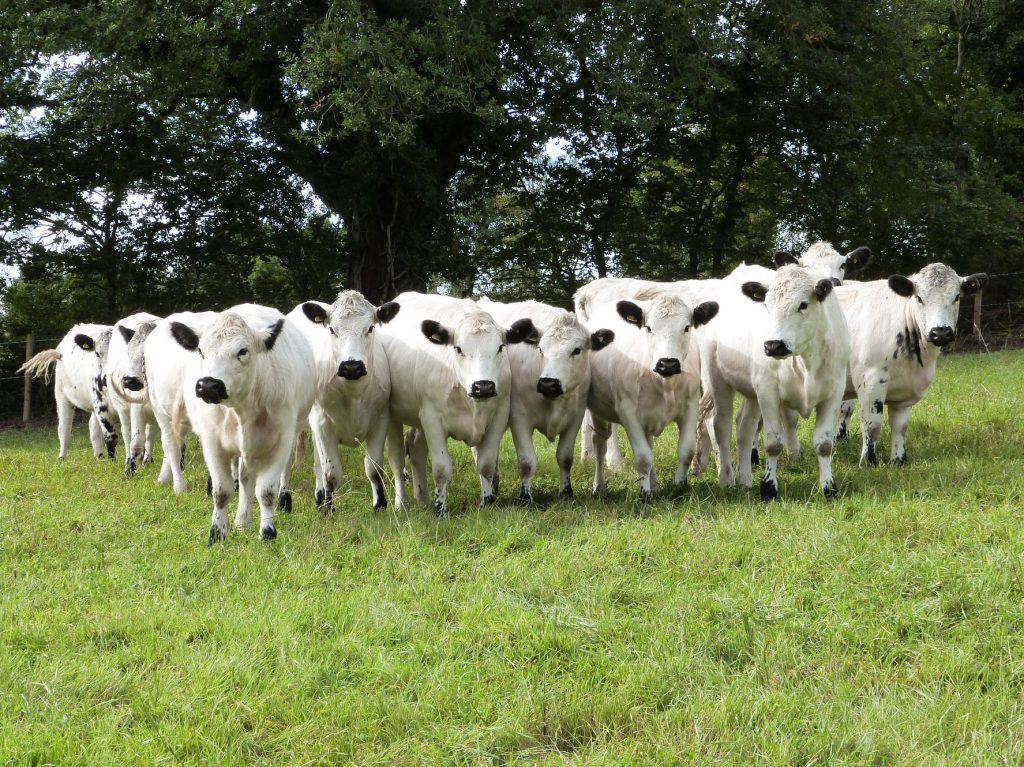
(216, 535)
(908, 344)
(877, 407)
(883, 380)
(525, 496)
(268, 533)
(440, 507)
(487, 500)
(830, 490)
(755, 457)
(284, 501)
(220, 499)
(319, 497)
(380, 500)
(844, 431)
(871, 456)
(769, 490)
(901, 459)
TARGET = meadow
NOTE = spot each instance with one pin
(885, 628)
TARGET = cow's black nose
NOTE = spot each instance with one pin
(211, 390)
(549, 387)
(352, 369)
(131, 383)
(667, 366)
(776, 349)
(483, 390)
(941, 336)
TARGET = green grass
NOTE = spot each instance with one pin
(885, 628)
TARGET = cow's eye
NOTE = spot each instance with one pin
(458, 350)
(648, 328)
(242, 352)
(577, 351)
(501, 348)
(686, 329)
(803, 305)
(919, 300)
(956, 299)
(369, 330)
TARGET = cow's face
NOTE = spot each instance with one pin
(478, 349)
(796, 323)
(667, 322)
(934, 294)
(226, 350)
(133, 375)
(565, 346)
(350, 320)
(826, 261)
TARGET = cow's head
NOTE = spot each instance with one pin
(227, 350)
(822, 258)
(132, 377)
(934, 299)
(667, 322)
(350, 320)
(796, 321)
(478, 343)
(565, 346)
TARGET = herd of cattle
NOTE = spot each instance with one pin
(800, 338)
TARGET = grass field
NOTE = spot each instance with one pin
(708, 628)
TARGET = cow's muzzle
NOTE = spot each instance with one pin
(668, 366)
(776, 349)
(131, 383)
(549, 388)
(211, 390)
(352, 369)
(941, 336)
(483, 390)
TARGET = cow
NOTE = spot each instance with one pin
(127, 390)
(784, 345)
(353, 387)
(80, 358)
(822, 257)
(250, 379)
(647, 379)
(166, 372)
(450, 378)
(550, 384)
(898, 329)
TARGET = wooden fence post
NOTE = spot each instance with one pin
(977, 315)
(30, 350)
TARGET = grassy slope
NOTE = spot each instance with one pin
(885, 628)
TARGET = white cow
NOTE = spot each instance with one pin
(166, 371)
(823, 258)
(550, 384)
(252, 377)
(127, 394)
(785, 344)
(353, 387)
(80, 358)
(898, 328)
(450, 378)
(646, 380)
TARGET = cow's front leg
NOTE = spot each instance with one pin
(899, 420)
(218, 464)
(790, 419)
(433, 434)
(686, 444)
(396, 459)
(268, 484)
(824, 443)
(747, 421)
(643, 457)
(872, 402)
(128, 438)
(587, 441)
(418, 451)
(522, 438)
(246, 481)
(487, 455)
(773, 446)
(845, 412)
(325, 451)
(564, 456)
(172, 470)
(373, 461)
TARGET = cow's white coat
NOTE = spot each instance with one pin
(138, 423)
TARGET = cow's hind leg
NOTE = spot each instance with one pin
(723, 435)
(747, 421)
(601, 432)
(899, 420)
(845, 412)
(95, 434)
(373, 461)
(564, 456)
(872, 401)
(396, 458)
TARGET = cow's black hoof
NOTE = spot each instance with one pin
(216, 536)
(268, 533)
(769, 490)
(381, 504)
(525, 496)
(319, 497)
(566, 493)
(440, 510)
(830, 490)
(284, 502)
(487, 500)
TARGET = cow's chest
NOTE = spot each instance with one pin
(467, 420)
(908, 382)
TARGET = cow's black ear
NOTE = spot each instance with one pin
(85, 342)
(601, 338)
(631, 313)
(755, 291)
(856, 260)
(315, 313)
(386, 312)
(435, 332)
(901, 286)
(272, 334)
(973, 283)
(823, 288)
(522, 331)
(704, 313)
(126, 333)
(783, 257)
(185, 336)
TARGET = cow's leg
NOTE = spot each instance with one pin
(128, 439)
(643, 456)
(418, 451)
(872, 401)
(396, 458)
(845, 411)
(899, 419)
(433, 434)
(268, 484)
(373, 462)
(149, 419)
(824, 443)
(246, 489)
(587, 441)
(747, 421)
(601, 432)
(564, 456)
(65, 417)
(487, 456)
(218, 464)
(773, 446)
(613, 452)
(723, 434)
(319, 490)
(526, 454)
(790, 419)
(325, 452)
(95, 432)
(174, 458)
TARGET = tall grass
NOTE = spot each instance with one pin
(884, 628)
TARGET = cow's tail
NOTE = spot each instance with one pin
(42, 364)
